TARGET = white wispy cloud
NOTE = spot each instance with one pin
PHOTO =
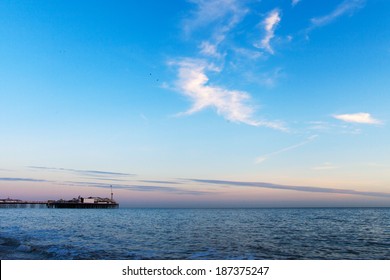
(325, 166)
(346, 7)
(193, 82)
(210, 49)
(268, 79)
(248, 53)
(295, 2)
(271, 78)
(363, 118)
(217, 18)
(224, 13)
(269, 24)
(334, 128)
(320, 126)
(313, 189)
(263, 158)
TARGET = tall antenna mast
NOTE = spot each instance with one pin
(112, 195)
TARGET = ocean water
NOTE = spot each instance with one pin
(121, 234)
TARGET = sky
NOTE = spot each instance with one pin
(196, 103)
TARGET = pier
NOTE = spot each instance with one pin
(80, 203)
(65, 204)
(17, 203)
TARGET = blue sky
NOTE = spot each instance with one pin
(196, 103)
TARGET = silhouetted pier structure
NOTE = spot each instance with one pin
(80, 202)
(70, 204)
(17, 203)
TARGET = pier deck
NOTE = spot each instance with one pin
(81, 205)
(80, 202)
(22, 204)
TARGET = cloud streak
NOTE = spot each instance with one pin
(262, 158)
(223, 14)
(230, 104)
(295, 2)
(139, 188)
(9, 179)
(362, 118)
(218, 18)
(92, 173)
(270, 23)
(160, 182)
(310, 189)
(346, 7)
(325, 166)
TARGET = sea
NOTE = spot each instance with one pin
(195, 234)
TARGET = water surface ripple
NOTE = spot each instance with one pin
(307, 233)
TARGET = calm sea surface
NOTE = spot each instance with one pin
(320, 233)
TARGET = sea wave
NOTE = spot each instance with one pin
(144, 234)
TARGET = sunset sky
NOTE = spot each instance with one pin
(198, 103)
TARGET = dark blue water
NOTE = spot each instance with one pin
(321, 233)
